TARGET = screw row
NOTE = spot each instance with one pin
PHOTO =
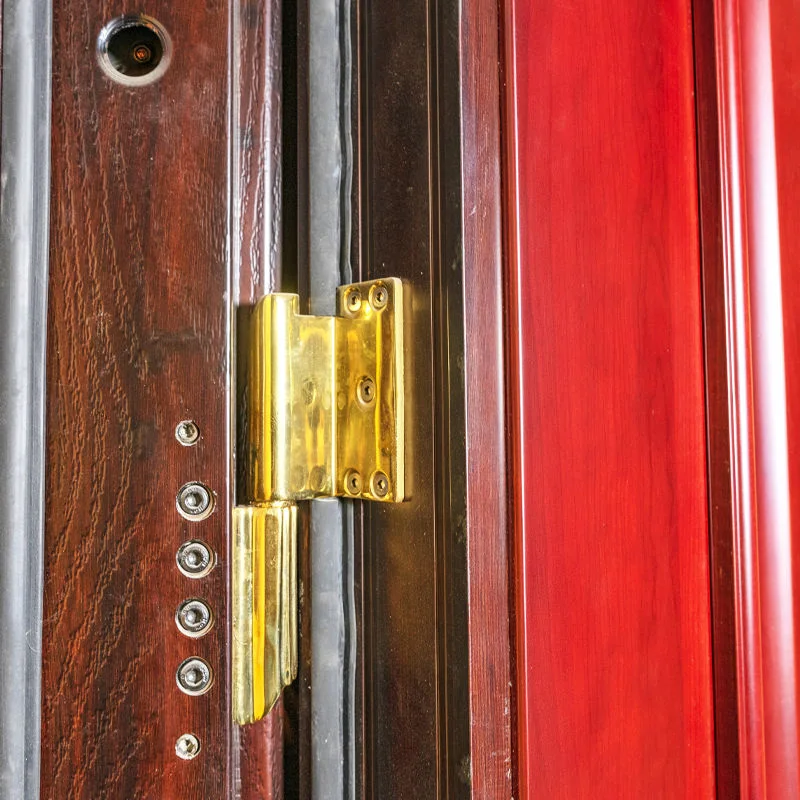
(194, 617)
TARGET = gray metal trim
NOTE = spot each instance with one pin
(333, 649)
(330, 149)
(332, 595)
(24, 212)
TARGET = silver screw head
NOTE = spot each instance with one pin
(378, 296)
(187, 432)
(194, 618)
(352, 482)
(352, 301)
(187, 746)
(194, 676)
(194, 501)
(195, 559)
(379, 484)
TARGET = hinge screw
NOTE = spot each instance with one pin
(380, 484)
(353, 301)
(187, 747)
(187, 432)
(194, 618)
(352, 482)
(194, 676)
(194, 501)
(194, 559)
(366, 391)
(379, 297)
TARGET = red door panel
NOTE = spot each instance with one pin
(614, 652)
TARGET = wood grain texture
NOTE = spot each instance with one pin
(257, 77)
(261, 775)
(256, 255)
(614, 653)
(489, 544)
(138, 340)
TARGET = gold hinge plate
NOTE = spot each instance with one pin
(325, 414)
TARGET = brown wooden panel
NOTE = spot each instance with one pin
(138, 338)
(256, 77)
(414, 555)
(488, 534)
(257, 220)
(403, 709)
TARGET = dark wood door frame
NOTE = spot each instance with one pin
(139, 339)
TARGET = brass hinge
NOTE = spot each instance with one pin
(325, 418)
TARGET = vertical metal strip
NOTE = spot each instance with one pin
(333, 629)
(24, 213)
(329, 152)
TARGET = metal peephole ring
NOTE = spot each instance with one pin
(134, 50)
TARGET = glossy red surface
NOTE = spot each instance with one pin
(759, 88)
(722, 183)
(785, 24)
(613, 598)
(756, 110)
(724, 519)
(762, 237)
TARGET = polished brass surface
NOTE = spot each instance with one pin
(264, 592)
(326, 396)
(325, 417)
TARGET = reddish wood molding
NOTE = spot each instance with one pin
(757, 399)
(614, 655)
(785, 24)
(721, 512)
